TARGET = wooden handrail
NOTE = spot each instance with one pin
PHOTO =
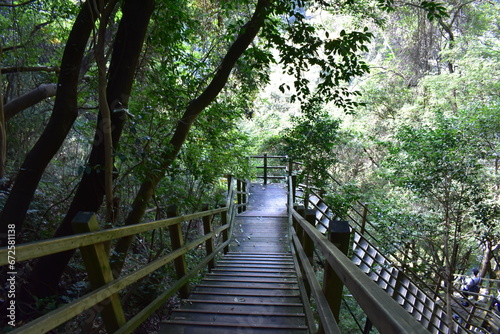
(361, 229)
(384, 312)
(418, 299)
(102, 293)
(265, 167)
(36, 249)
(388, 316)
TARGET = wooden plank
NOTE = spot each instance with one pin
(310, 320)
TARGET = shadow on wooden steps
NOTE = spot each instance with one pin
(253, 288)
(245, 293)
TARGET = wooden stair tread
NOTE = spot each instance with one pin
(199, 311)
(222, 319)
(254, 274)
(267, 280)
(202, 328)
(243, 303)
(256, 270)
(238, 324)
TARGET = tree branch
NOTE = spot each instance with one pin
(16, 5)
(17, 69)
(15, 106)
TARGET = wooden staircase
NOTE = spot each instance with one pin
(253, 288)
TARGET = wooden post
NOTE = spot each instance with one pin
(209, 244)
(96, 261)
(339, 233)
(307, 241)
(265, 168)
(302, 235)
(177, 242)
(363, 222)
(244, 197)
(306, 194)
(294, 187)
(294, 220)
(225, 234)
(368, 326)
(298, 229)
(238, 195)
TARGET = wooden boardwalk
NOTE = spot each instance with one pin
(254, 287)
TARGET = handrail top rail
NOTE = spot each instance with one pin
(270, 156)
(461, 276)
(36, 249)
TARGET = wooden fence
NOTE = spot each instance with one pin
(105, 294)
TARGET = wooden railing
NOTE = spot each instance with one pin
(272, 172)
(386, 314)
(414, 295)
(105, 294)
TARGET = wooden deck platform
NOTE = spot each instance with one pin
(253, 288)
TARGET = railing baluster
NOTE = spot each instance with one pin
(244, 197)
(209, 244)
(225, 234)
(265, 168)
(177, 242)
(238, 195)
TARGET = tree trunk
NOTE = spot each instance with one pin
(63, 116)
(3, 133)
(247, 34)
(127, 47)
(104, 110)
(487, 256)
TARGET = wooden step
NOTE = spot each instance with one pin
(242, 306)
(245, 279)
(188, 327)
(291, 319)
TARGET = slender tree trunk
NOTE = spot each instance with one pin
(63, 116)
(46, 274)
(104, 109)
(247, 34)
(3, 133)
(487, 256)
